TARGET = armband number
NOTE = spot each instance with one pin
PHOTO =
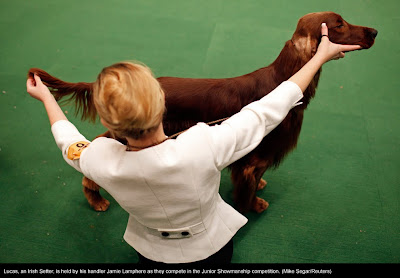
(75, 150)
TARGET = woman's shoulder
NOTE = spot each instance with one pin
(103, 146)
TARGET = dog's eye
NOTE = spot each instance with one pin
(339, 26)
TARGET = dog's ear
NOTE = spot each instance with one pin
(307, 36)
(306, 46)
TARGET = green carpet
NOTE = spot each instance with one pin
(335, 199)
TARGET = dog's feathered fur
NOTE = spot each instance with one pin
(191, 100)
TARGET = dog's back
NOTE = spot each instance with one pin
(190, 101)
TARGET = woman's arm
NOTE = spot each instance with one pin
(64, 132)
(244, 131)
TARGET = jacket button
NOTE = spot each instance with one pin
(165, 234)
(185, 233)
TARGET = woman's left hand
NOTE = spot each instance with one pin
(328, 50)
(36, 88)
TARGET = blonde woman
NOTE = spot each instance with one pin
(170, 187)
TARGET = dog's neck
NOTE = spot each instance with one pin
(294, 55)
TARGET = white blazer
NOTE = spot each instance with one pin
(170, 191)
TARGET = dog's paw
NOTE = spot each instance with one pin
(95, 200)
(259, 205)
(101, 205)
(261, 184)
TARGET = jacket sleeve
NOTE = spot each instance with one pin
(65, 134)
(244, 131)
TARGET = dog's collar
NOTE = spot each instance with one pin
(131, 148)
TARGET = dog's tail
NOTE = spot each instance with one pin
(81, 93)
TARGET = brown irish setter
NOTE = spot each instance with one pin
(190, 101)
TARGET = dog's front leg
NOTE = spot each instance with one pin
(247, 179)
(258, 204)
(261, 184)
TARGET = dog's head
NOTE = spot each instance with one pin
(308, 32)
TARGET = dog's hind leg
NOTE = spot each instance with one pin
(92, 194)
(91, 189)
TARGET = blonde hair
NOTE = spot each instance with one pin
(129, 99)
